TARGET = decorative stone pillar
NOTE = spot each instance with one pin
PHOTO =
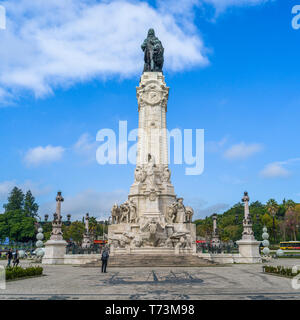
(248, 246)
(215, 235)
(55, 248)
(86, 243)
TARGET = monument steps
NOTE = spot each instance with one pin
(139, 260)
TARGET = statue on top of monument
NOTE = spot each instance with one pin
(153, 53)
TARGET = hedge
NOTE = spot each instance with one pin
(284, 271)
(19, 272)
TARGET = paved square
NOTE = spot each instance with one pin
(223, 282)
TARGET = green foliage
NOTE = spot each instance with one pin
(30, 207)
(286, 216)
(74, 231)
(18, 221)
(15, 200)
(19, 272)
(272, 207)
(47, 228)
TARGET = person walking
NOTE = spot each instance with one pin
(16, 259)
(104, 258)
(9, 257)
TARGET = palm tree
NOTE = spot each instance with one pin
(291, 217)
(273, 207)
(289, 205)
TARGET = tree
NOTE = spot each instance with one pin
(272, 207)
(15, 200)
(15, 222)
(4, 229)
(291, 221)
(30, 206)
(96, 228)
(290, 205)
(74, 231)
(283, 227)
(20, 227)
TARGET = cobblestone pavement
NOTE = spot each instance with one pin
(222, 282)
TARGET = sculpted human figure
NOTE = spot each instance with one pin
(171, 213)
(189, 214)
(150, 172)
(132, 212)
(125, 211)
(166, 175)
(115, 214)
(153, 53)
(180, 211)
(139, 174)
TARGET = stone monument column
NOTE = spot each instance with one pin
(59, 200)
(248, 246)
(86, 243)
(55, 248)
(215, 234)
(153, 220)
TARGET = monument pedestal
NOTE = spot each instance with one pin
(55, 251)
(249, 251)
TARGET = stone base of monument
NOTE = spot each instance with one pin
(140, 260)
(55, 251)
(249, 251)
(152, 251)
(169, 240)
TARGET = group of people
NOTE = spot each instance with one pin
(13, 257)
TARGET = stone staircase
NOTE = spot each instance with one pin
(139, 260)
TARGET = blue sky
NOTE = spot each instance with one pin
(70, 68)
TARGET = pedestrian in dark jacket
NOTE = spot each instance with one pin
(16, 259)
(9, 257)
(104, 258)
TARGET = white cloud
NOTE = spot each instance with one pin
(277, 169)
(36, 188)
(97, 204)
(274, 170)
(59, 42)
(202, 208)
(40, 155)
(209, 210)
(86, 146)
(215, 146)
(5, 188)
(242, 150)
(222, 5)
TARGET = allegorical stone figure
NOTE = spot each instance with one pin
(153, 53)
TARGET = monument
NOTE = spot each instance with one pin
(215, 234)
(86, 242)
(153, 220)
(55, 248)
(248, 246)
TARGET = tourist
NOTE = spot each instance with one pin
(9, 257)
(16, 259)
(104, 258)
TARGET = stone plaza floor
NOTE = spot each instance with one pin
(243, 281)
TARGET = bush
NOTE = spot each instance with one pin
(288, 272)
(19, 272)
